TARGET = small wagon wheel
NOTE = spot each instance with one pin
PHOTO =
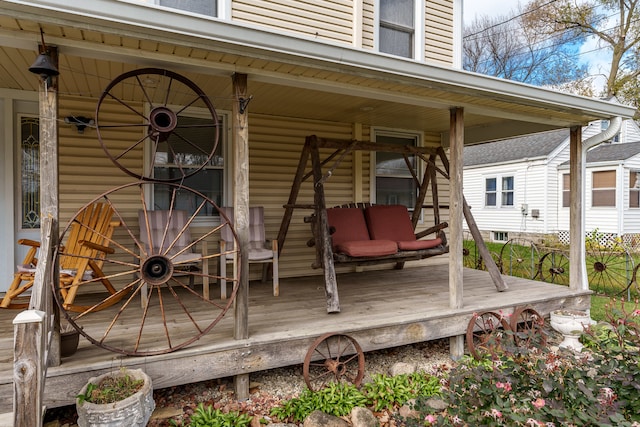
(554, 268)
(157, 289)
(528, 327)
(171, 135)
(486, 333)
(519, 257)
(609, 268)
(333, 357)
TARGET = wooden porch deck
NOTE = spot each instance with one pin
(380, 309)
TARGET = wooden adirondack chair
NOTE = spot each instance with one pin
(81, 260)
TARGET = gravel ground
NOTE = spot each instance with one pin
(267, 388)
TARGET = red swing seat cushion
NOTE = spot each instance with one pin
(392, 222)
(351, 236)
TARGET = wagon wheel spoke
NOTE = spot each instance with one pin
(333, 358)
(156, 296)
(528, 328)
(554, 268)
(520, 258)
(170, 135)
(609, 268)
(487, 333)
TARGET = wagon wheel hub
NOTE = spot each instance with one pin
(336, 367)
(156, 270)
(599, 266)
(162, 121)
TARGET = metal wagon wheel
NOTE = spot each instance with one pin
(609, 268)
(470, 256)
(554, 268)
(520, 258)
(171, 135)
(486, 333)
(333, 357)
(633, 289)
(528, 328)
(160, 300)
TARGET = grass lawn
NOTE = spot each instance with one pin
(598, 306)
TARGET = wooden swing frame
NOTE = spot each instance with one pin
(325, 258)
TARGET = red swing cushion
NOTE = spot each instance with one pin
(351, 236)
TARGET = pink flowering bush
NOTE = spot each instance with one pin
(540, 387)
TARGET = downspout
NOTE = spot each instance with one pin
(614, 127)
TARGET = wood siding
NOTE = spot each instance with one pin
(323, 19)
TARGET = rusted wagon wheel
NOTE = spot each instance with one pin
(486, 333)
(554, 268)
(528, 328)
(149, 97)
(470, 256)
(157, 282)
(609, 268)
(333, 357)
(519, 258)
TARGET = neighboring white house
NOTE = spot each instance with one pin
(519, 187)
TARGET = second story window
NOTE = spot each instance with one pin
(202, 7)
(397, 27)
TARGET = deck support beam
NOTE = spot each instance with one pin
(577, 166)
(241, 217)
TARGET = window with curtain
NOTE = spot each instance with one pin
(566, 190)
(397, 27)
(634, 189)
(603, 191)
(394, 182)
(507, 191)
(202, 7)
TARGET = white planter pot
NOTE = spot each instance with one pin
(133, 411)
(571, 324)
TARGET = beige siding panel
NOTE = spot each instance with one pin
(330, 20)
(439, 31)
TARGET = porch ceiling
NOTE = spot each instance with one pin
(415, 96)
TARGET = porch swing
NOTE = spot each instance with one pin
(368, 234)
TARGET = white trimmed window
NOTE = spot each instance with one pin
(566, 190)
(397, 27)
(499, 191)
(201, 7)
(603, 192)
(634, 189)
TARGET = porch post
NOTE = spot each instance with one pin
(456, 203)
(577, 258)
(241, 217)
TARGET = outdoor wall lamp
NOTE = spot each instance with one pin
(80, 122)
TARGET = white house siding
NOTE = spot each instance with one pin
(631, 217)
(439, 27)
(323, 19)
(631, 131)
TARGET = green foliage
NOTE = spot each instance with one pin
(111, 389)
(384, 392)
(209, 417)
(600, 386)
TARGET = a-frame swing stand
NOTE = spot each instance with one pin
(322, 234)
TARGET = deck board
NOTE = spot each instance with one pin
(379, 309)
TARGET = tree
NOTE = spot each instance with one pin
(616, 26)
(509, 47)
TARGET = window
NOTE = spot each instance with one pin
(490, 192)
(500, 236)
(604, 125)
(499, 186)
(202, 7)
(634, 189)
(188, 147)
(397, 27)
(393, 180)
(507, 191)
(30, 173)
(603, 193)
(566, 190)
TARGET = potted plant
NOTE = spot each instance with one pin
(116, 399)
(571, 324)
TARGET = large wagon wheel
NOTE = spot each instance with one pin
(527, 326)
(470, 255)
(554, 268)
(171, 135)
(333, 357)
(159, 301)
(609, 267)
(486, 333)
(633, 286)
(519, 258)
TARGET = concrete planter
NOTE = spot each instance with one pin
(571, 324)
(133, 411)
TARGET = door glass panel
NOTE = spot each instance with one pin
(30, 173)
